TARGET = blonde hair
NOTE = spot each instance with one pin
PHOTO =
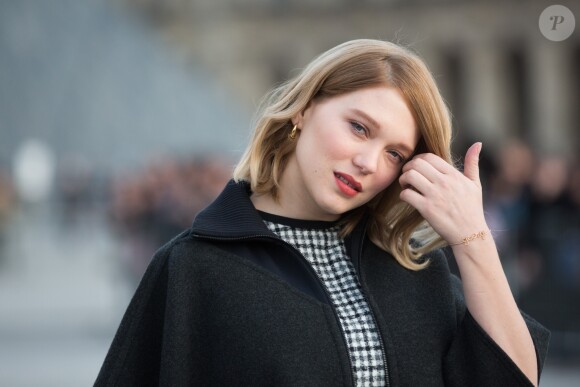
(394, 225)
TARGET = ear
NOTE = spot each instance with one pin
(298, 119)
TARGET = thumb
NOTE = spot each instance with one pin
(471, 163)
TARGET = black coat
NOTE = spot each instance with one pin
(229, 303)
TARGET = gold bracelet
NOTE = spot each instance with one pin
(465, 241)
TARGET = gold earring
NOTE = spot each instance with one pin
(293, 133)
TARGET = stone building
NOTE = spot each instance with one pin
(501, 77)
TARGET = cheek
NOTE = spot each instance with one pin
(390, 176)
(336, 146)
(323, 148)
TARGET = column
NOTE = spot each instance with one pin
(551, 99)
(489, 93)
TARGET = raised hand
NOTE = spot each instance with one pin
(450, 201)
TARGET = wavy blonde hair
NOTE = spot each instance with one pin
(394, 225)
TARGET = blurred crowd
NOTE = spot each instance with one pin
(532, 205)
(150, 207)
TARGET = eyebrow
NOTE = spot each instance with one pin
(374, 123)
(366, 117)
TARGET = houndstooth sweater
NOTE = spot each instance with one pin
(322, 246)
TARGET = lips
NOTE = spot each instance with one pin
(347, 184)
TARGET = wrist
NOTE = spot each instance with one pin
(475, 248)
(478, 235)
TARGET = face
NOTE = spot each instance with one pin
(350, 148)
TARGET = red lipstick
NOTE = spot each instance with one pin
(347, 184)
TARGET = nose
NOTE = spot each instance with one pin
(367, 160)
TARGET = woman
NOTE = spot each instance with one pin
(317, 264)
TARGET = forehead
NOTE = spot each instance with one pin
(383, 107)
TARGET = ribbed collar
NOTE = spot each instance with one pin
(232, 215)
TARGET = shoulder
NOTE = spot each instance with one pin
(185, 250)
(188, 257)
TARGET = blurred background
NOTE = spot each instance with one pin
(121, 119)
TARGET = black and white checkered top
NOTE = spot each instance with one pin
(324, 249)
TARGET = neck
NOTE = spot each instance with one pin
(285, 208)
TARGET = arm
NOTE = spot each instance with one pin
(451, 202)
(490, 302)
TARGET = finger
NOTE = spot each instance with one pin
(413, 198)
(471, 163)
(415, 179)
(425, 168)
(437, 162)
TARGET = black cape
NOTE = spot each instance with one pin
(227, 303)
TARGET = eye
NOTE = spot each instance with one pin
(358, 128)
(400, 159)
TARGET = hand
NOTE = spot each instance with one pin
(450, 201)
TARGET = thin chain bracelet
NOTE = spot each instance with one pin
(465, 241)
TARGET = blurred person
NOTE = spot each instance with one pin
(573, 188)
(515, 163)
(570, 249)
(131, 214)
(548, 207)
(76, 188)
(318, 263)
(507, 209)
(7, 203)
(551, 248)
(7, 196)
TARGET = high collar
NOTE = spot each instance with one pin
(232, 215)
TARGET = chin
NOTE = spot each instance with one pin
(335, 205)
(334, 210)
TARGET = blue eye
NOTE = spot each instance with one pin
(398, 156)
(358, 128)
